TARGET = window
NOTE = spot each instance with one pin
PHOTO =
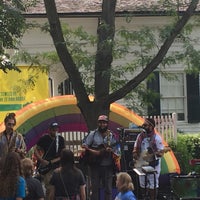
(173, 98)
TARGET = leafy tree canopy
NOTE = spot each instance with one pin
(13, 25)
(143, 45)
(148, 47)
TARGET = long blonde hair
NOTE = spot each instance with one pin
(125, 182)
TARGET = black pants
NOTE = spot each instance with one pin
(101, 176)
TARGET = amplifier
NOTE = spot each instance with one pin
(127, 139)
(129, 135)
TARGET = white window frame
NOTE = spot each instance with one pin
(170, 96)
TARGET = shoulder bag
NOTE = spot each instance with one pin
(66, 197)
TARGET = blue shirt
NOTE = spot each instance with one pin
(95, 140)
(21, 190)
(129, 195)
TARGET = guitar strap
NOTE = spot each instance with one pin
(57, 142)
(108, 138)
(48, 149)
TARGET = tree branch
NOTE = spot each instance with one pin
(62, 51)
(157, 59)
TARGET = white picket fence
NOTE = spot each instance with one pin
(74, 140)
(167, 126)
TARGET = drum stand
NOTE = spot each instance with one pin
(145, 171)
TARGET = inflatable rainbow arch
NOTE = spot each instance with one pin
(33, 121)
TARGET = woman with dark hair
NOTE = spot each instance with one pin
(10, 139)
(67, 182)
(34, 186)
(11, 181)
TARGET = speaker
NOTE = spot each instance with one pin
(127, 156)
(127, 140)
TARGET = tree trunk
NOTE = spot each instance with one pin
(104, 58)
(92, 110)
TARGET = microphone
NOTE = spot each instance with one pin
(120, 129)
(144, 131)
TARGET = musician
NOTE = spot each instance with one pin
(50, 145)
(151, 143)
(10, 139)
(101, 172)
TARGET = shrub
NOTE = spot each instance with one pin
(186, 148)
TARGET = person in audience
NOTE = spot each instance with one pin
(68, 181)
(12, 183)
(125, 187)
(34, 186)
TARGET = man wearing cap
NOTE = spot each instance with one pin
(149, 146)
(47, 151)
(101, 172)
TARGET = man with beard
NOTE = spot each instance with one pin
(47, 151)
(10, 139)
(149, 145)
(100, 143)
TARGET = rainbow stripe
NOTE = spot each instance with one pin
(33, 121)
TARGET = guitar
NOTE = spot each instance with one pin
(93, 156)
(44, 169)
(90, 156)
(148, 157)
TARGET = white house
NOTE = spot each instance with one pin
(181, 96)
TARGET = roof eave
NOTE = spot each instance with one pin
(98, 14)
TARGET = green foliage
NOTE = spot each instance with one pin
(6, 64)
(35, 68)
(12, 23)
(13, 26)
(186, 148)
(34, 61)
(132, 51)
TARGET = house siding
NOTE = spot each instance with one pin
(36, 41)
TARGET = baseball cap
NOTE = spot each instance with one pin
(54, 124)
(103, 118)
(150, 121)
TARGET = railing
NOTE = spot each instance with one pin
(74, 140)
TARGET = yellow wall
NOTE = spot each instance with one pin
(15, 91)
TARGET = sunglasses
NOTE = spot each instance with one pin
(11, 124)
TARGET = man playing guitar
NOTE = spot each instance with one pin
(50, 145)
(102, 170)
(149, 141)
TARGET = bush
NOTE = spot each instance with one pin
(186, 148)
